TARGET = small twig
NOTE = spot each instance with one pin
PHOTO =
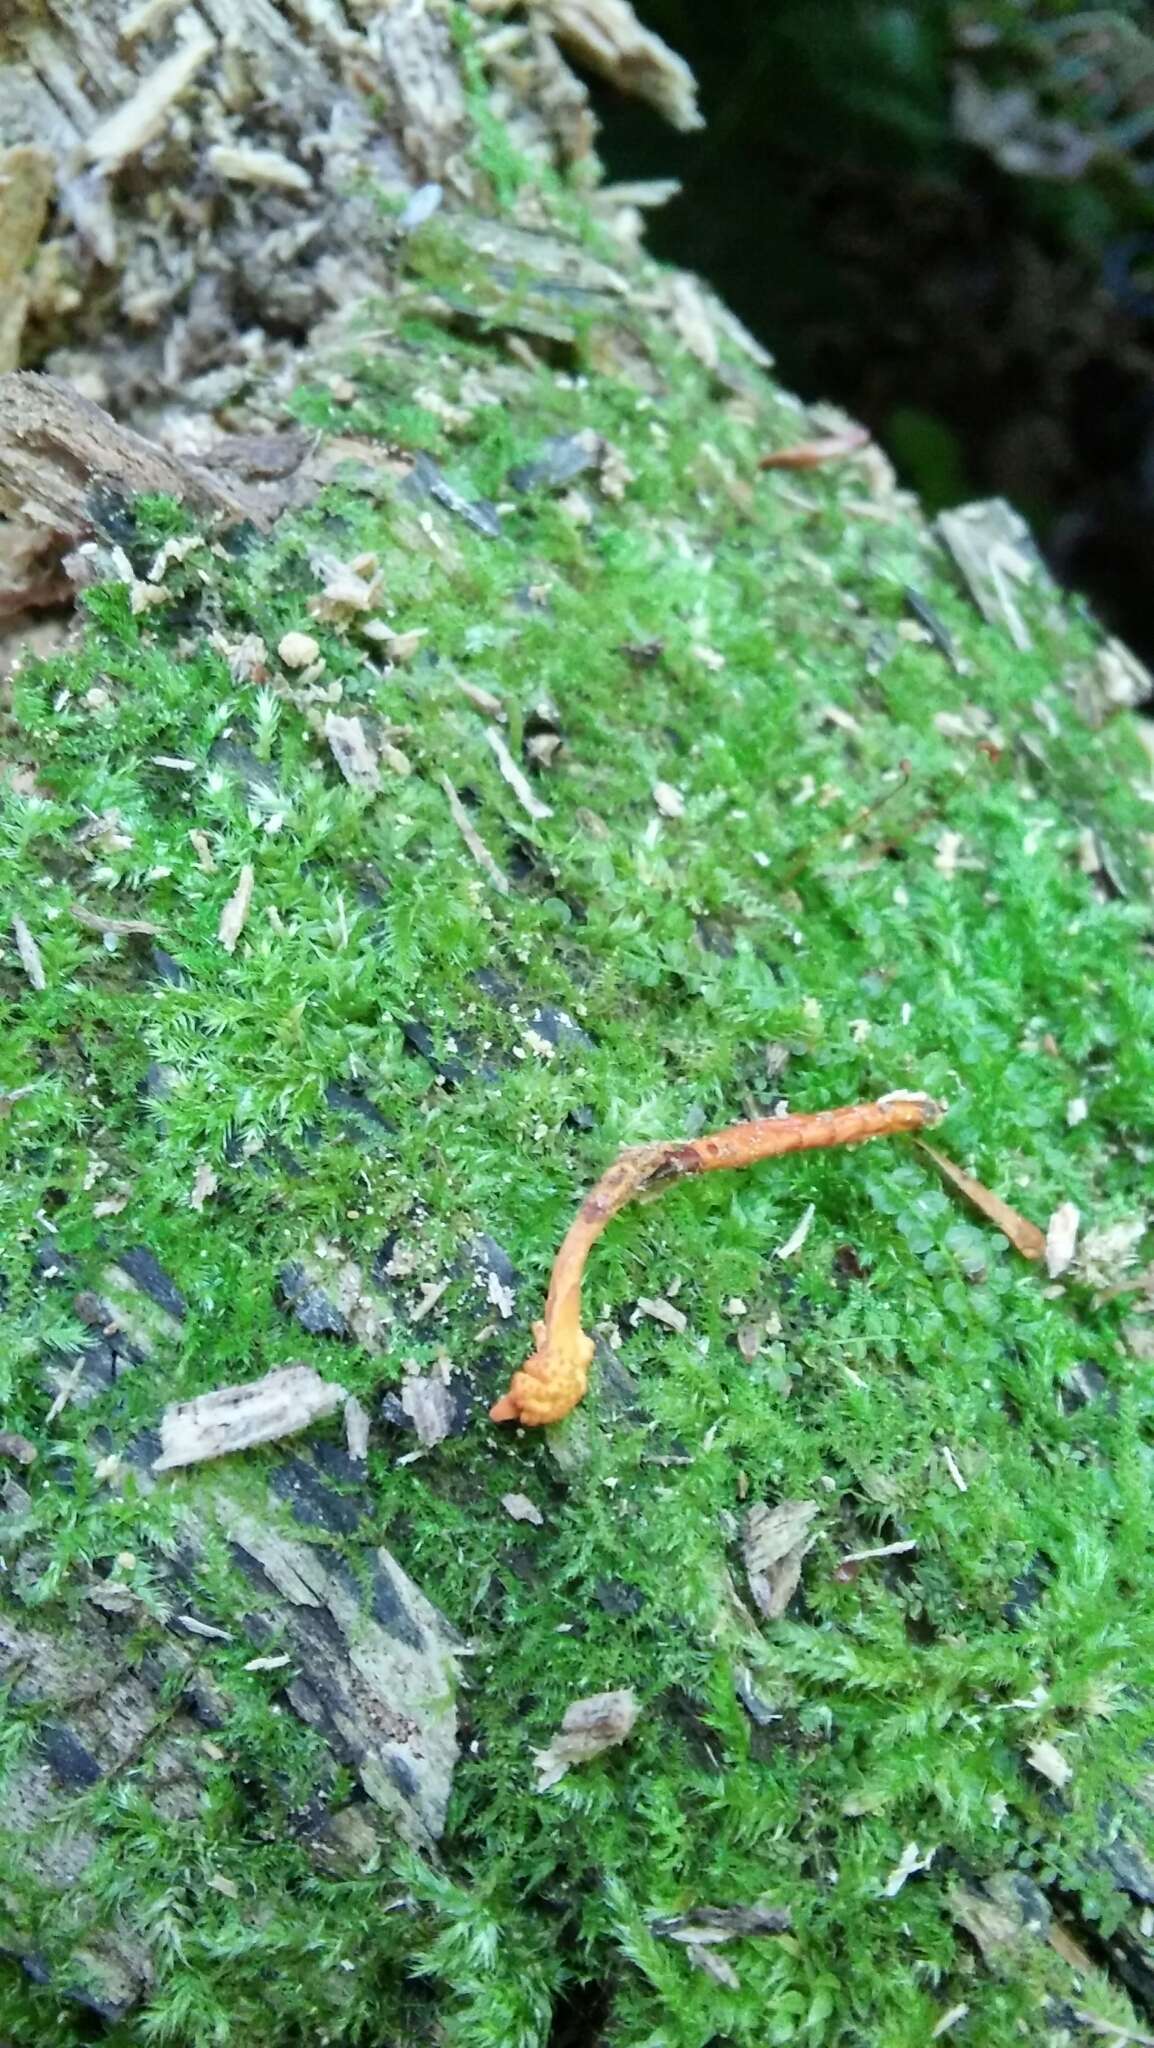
(554, 1378)
(116, 927)
(473, 839)
(526, 796)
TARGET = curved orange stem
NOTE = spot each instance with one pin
(554, 1379)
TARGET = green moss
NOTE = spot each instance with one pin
(772, 912)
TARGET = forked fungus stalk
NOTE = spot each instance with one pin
(553, 1381)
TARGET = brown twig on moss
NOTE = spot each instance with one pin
(553, 1380)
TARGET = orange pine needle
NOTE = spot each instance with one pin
(1022, 1234)
(811, 454)
(553, 1380)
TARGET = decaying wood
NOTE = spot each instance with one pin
(179, 177)
(554, 1379)
(375, 1678)
(58, 451)
(372, 1672)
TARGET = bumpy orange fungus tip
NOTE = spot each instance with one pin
(554, 1379)
(550, 1383)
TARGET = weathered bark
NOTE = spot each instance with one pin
(369, 1663)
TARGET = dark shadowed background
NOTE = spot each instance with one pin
(942, 216)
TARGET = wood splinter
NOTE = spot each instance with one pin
(553, 1380)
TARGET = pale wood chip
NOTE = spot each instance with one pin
(522, 1509)
(949, 2019)
(954, 1469)
(991, 544)
(399, 647)
(204, 1184)
(798, 1235)
(883, 1550)
(911, 1859)
(258, 167)
(231, 1419)
(29, 953)
(713, 1965)
(144, 597)
(203, 851)
(202, 1628)
(1109, 2030)
(775, 1542)
(1049, 1762)
(484, 700)
(691, 320)
(140, 119)
(234, 916)
(473, 839)
(588, 1727)
(664, 1312)
(499, 1295)
(66, 1389)
(357, 1425)
(350, 588)
(430, 1406)
(429, 1297)
(1062, 1239)
(352, 753)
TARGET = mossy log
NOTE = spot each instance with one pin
(435, 755)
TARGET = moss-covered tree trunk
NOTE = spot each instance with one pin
(435, 756)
